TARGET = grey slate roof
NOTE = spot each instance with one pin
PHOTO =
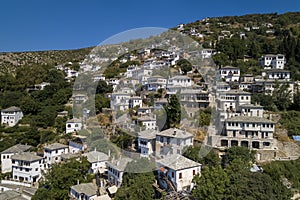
(89, 189)
(26, 156)
(251, 106)
(120, 164)
(175, 133)
(249, 119)
(18, 148)
(147, 134)
(178, 162)
(11, 109)
(55, 146)
(95, 156)
(11, 195)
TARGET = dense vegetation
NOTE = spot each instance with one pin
(61, 177)
(233, 180)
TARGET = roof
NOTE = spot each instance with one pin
(74, 120)
(102, 197)
(147, 134)
(113, 189)
(11, 109)
(229, 67)
(276, 70)
(178, 162)
(249, 119)
(251, 106)
(175, 133)
(26, 156)
(88, 189)
(236, 92)
(180, 77)
(11, 195)
(95, 156)
(146, 118)
(18, 148)
(120, 164)
(55, 146)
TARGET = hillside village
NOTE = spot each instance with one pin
(153, 105)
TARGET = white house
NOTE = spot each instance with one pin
(146, 142)
(87, 191)
(229, 73)
(251, 132)
(277, 74)
(11, 116)
(135, 101)
(173, 141)
(182, 81)
(97, 160)
(271, 61)
(53, 152)
(148, 122)
(116, 170)
(176, 172)
(26, 167)
(207, 53)
(119, 101)
(156, 82)
(6, 162)
(144, 111)
(251, 110)
(78, 144)
(73, 125)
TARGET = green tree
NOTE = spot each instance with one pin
(184, 65)
(61, 177)
(212, 184)
(137, 181)
(173, 111)
(237, 152)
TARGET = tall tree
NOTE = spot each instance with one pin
(173, 110)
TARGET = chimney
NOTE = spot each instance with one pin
(174, 133)
(94, 181)
(109, 153)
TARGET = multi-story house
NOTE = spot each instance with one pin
(276, 74)
(271, 61)
(119, 101)
(78, 144)
(11, 116)
(97, 161)
(146, 142)
(207, 53)
(229, 74)
(176, 172)
(156, 82)
(116, 170)
(26, 167)
(251, 132)
(53, 153)
(182, 81)
(73, 125)
(172, 141)
(6, 162)
(135, 101)
(148, 122)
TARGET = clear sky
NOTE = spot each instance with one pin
(29, 25)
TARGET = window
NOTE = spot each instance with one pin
(180, 175)
(194, 172)
(172, 174)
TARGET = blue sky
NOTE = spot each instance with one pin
(69, 24)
